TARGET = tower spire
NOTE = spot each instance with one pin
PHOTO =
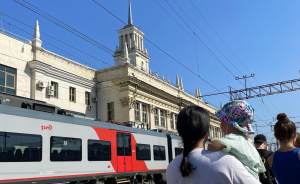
(130, 21)
(37, 34)
(36, 41)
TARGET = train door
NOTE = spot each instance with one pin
(124, 153)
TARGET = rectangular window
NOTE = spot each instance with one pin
(17, 147)
(110, 111)
(172, 121)
(156, 119)
(137, 111)
(159, 152)
(8, 77)
(65, 149)
(55, 89)
(99, 150)
(123, 144)
(87, 98)
(144, 113)
(143, 152)
(163, 114)
(72, 94)
(178, 151)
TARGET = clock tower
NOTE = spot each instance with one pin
(131, 46)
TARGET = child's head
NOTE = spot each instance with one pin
(236, 116)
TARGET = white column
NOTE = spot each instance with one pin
(159, 122)
(142, 44)
(141, 113)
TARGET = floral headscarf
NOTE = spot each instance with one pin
(237, 113)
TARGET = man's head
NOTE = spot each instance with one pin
(260, 141)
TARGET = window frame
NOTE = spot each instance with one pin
(8, 71)
(99, 141)
(137, 111)
(124, 151)
(163, 118)
(40, 151)
(172, 121)
(87, 98)
(61, 137)
(164, 151)
(156, 117)
(72, 94)
(55, 86)
(145, 114)
(110, 111)
(138, 157)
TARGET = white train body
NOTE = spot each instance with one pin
(37, 146)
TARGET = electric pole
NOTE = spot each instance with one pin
(245, 77)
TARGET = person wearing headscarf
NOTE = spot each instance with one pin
(236, 118)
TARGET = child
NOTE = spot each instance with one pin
(236, 118)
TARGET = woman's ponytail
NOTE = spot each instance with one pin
(192, 125)
(186, 167)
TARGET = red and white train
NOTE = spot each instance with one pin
(38, 147)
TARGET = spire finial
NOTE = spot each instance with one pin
(181, 84)
(130, 21)
(177, 81)
(37, 34)
(36, 41)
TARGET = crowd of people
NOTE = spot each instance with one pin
(235, 158)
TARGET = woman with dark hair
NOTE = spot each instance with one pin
(196, 165)
(286, 160)
(297, 143)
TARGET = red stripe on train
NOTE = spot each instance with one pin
(132, 165)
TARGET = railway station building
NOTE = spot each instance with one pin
(127, 93)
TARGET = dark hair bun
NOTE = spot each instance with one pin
(282, 117)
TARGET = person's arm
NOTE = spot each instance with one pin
(215, 145)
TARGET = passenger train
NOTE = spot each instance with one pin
(39, 147)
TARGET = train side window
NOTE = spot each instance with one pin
(65, 149)
(143, 152)
(123, 144)
(99, 150)
(178, 151)
(19, 147)
(159, 152)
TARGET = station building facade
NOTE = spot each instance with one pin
(126, 93)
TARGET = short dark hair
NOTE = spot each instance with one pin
(284, 129)
(192, 126)
(259, 139)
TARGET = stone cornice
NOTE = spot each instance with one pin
(60, 74)
(67, 60)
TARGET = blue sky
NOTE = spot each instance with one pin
(260, 37)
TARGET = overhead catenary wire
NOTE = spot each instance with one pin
(199, 12)
(59, 23)
(194, 33)
(55, 39)
(174, 59)
(64, 26)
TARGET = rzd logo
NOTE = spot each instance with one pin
(46, 127)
